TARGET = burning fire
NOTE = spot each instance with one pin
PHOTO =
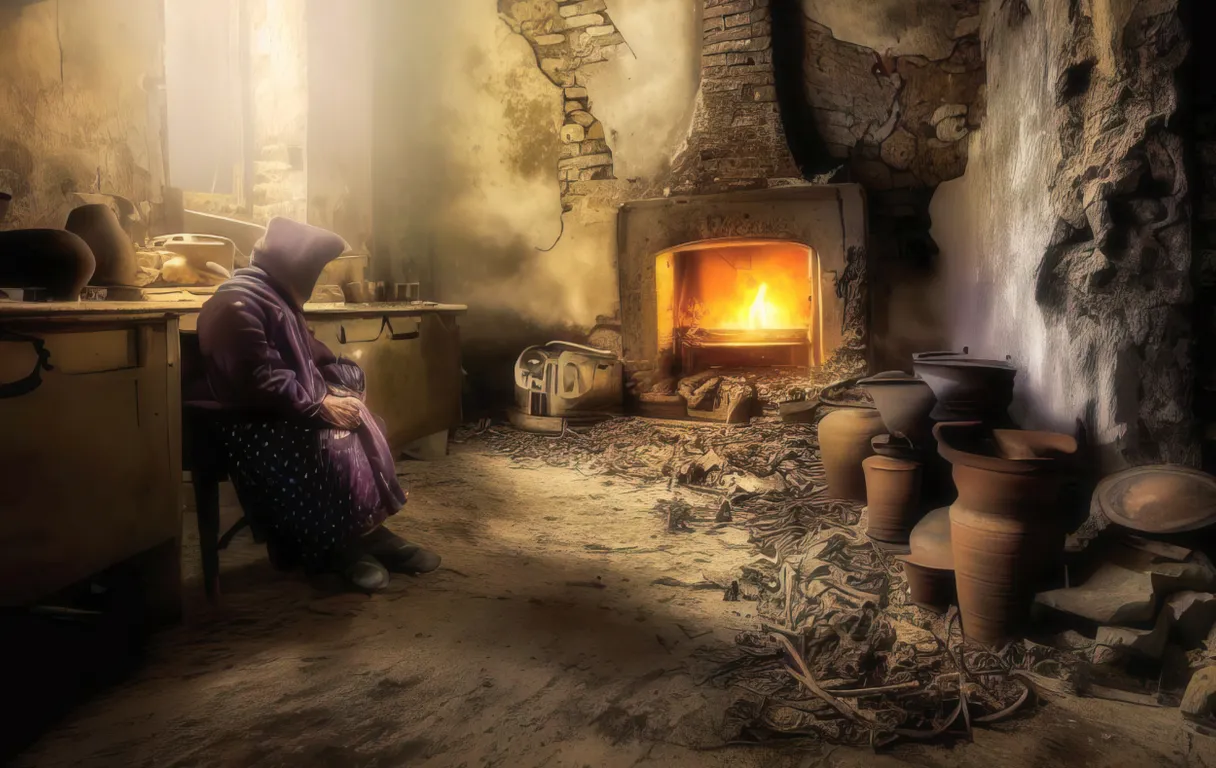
(758, 314)
(748, 289)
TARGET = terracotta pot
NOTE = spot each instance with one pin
(893, 498)
(844, 443)
(967, 388)
(98, 226)
(53, 259)
(929, 567)
(904, 402)
(1004, 525)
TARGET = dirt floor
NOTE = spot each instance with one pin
(544, 641)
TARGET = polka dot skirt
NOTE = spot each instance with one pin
(301, 484)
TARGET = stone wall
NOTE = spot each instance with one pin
(1067, 242)
(82, 109)
(892, 112)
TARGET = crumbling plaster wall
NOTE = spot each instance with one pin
(892, 88)
(1067, 242)
(480, 191)
(82, 109)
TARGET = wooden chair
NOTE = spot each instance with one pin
(203, 457)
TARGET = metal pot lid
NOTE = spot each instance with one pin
(1159, 499)
(930, 542)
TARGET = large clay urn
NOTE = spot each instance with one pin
(1004, 527)
(904, 403)
(967, 388)
(52, 259)
(892, 498)
(844, 443)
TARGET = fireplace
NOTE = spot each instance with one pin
(766, 279)
(737, 302)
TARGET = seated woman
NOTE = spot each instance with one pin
(311, 465)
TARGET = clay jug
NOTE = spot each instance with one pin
(844, 443)
(892, 497)
(53, 259)
(1003, 527)
(98, 226)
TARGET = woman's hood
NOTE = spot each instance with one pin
(293, 254)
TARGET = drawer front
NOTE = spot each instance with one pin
(412, 367)
(90, 457)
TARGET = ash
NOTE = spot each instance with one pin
(839, 654)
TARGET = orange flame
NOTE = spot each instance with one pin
(758, 314)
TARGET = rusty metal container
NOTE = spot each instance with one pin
(893, 498)
(1003, 526)
(844, 443)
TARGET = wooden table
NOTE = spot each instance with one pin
(91, 456)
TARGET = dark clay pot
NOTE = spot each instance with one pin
(967, 388)
(892, 497)
(52, 259)
(1004, 526)
(98, 226)
(844, 443)
(904, 403)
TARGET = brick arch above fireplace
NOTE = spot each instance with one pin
(828, 219)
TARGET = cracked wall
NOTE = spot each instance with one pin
(476, 154)
(83, 106)
(1067, 242)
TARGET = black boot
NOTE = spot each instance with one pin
(397, 554)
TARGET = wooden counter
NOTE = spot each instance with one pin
(91, 456)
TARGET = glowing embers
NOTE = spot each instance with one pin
(738, 303)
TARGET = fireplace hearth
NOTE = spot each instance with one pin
(743, 281)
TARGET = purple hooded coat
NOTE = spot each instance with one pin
(259, 356)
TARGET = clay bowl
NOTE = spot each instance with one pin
(113, 250)
(52, 259)
(1159, 499)
(966, 388)
(903, 401)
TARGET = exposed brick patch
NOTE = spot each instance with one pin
(570, 35)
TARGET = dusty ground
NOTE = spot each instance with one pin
(544, 641)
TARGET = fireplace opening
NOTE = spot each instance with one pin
(738, 303)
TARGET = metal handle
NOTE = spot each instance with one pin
(385, 324)
(34, 379)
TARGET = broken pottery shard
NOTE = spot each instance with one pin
(749, 483)
(1200, 698)
(1193, 614)
(1112, 595)
(1197, 574)
(1113, 643)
